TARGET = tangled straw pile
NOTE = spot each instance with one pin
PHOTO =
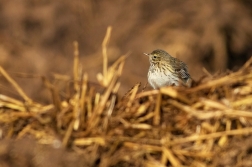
(173, 126)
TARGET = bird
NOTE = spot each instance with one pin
(166, 70)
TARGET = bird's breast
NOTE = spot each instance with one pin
(158, 78)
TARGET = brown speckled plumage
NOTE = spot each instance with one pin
(166, 70)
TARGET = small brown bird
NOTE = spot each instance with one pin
(166, 70)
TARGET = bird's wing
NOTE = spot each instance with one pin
(181, 70)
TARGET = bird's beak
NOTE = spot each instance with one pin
(147, 54)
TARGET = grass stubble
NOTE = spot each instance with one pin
(173, 126)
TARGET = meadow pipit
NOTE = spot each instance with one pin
(166, 70)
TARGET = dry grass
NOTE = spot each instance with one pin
(172, 126)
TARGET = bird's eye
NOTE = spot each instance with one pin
(154, 57)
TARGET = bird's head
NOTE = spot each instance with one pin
(157, 55)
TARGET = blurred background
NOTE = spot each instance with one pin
(36, 37)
